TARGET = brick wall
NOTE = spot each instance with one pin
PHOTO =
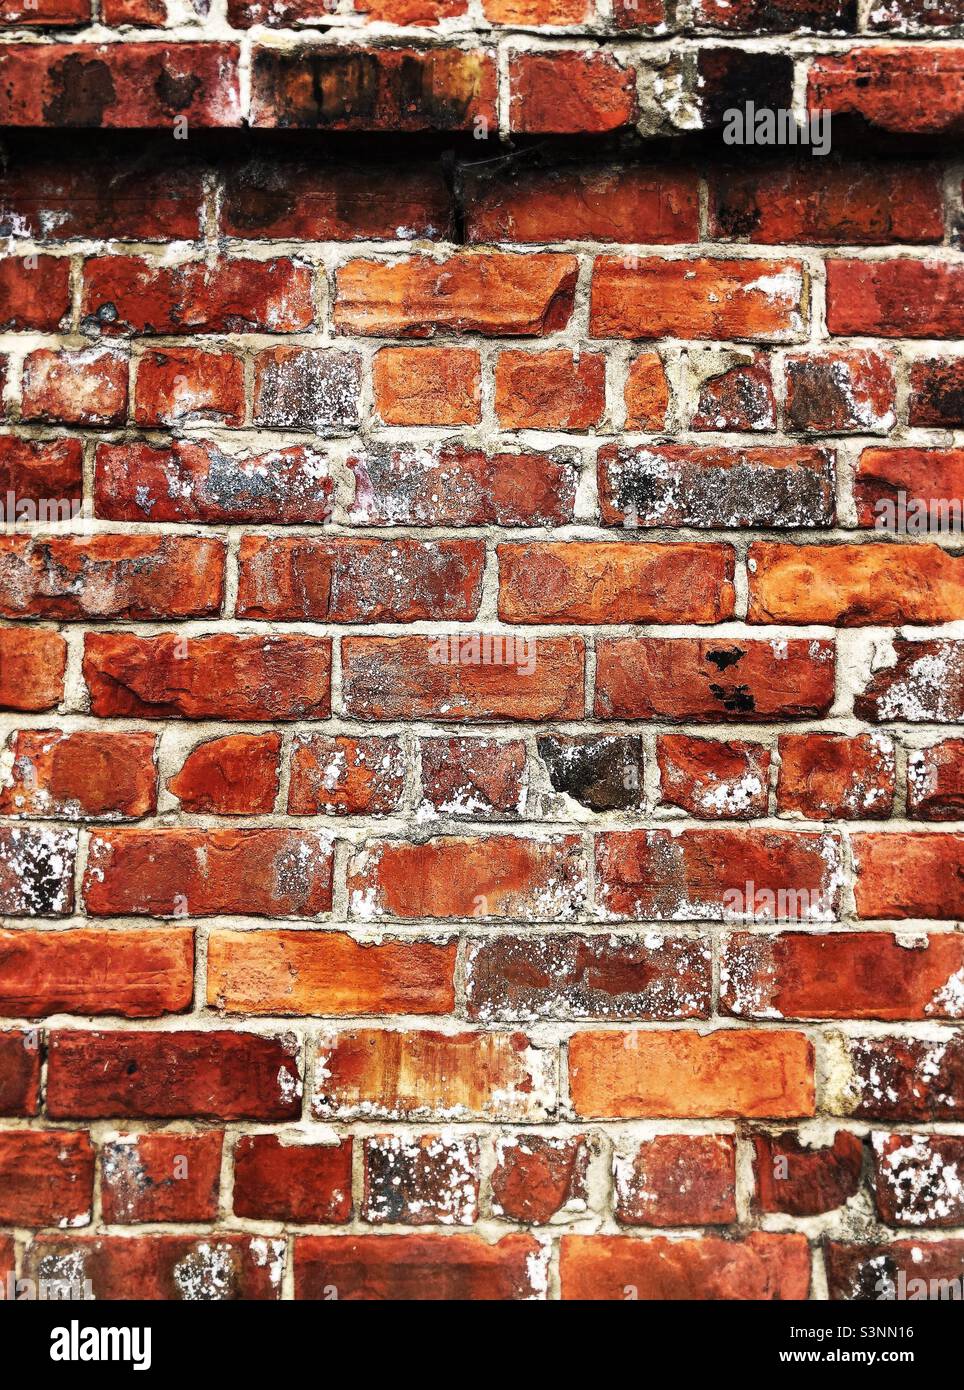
(480, 793)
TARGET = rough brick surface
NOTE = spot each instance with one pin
(481, 663)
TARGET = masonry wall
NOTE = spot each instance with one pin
(481, 774)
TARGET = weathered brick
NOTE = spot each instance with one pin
(917, 1179)
(537, 1177)
(646, 393)
(451, 1268)
(591, 582)
(34, 290)
(20, 1059)
(800, 1179)
(301, 972)
(101, 576)
(102, 197)
(900, 1078)
(425, 1180)
(568, 92)
(44, 476)
(313, 389)
(180, 872)
(343, 775)
(572, 977)
(895, 298)
(911, 490)
(211, 1268)
(841, 975)
(694, 679)
(345, 580)
(602, 773)
(160, 1177)
(32, 666)
(36, 871)
(937, 392)
(935, 781)
(529, 879)
(179, 386)
(924, 684)
(910, 874)
(427, 385)
(836, 777)
(492, 293)
(134, 974)
(550, 390)
(377, 1074)
(474, 777)
(892, 88)
(237, 775)
(221, 676)
(82, 775)
(715, 486)
(677, 1180)
(86, 386)
(711, 779)
(850, 392)
(739, 396)
(417, 678)
(899, 1269)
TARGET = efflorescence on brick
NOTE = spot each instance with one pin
(481, 665)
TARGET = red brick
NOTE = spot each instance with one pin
(45, 473)
(82, 775)
(221, 676)
(532, 880)
(451, 1268)
(937, 392)
(134, 974)
(903, 1079)
(916, 1179)
(899, 1269)
(935, 781)
(185, 386)
(802, 1179)
(550, 390)
(630, 203)
(160, 1177)
(217, 1267)
(128, 85)
(841, 393)
(32, 666)
(636, 14)
(851, 585)
(682, 1074)
(376, 1074)
(931, 481)
(278, 1181)
(86, 386)
(34, 290)
(416, 678)
(626, 581)
(699, 298)
(566, 92)
(307, 389)
(924, 684)
(602, 773)
(175, 872)
(537, 1176)
(836, 777)
(915, 90)
(573, 977)
(186, 481)
(646, 394)
(344, 775)
(762, 1266)
(712, 779)
(335, 202)
(301, 972)
(715, 486)
(685, 678)
(473, 777)
(45, 14)
(718, 874)
(677, 1180)
(738, 397)
(133, 295)
(785, 16)
(895, 298)
(344, 580)
(36, 871)
(175, 1075)
(910, 874)
(46, 1178)
(914, 16)
(488, 292)
(427, 386)
(237, 775)
(102, 198)
(97, 577)
(20, 1058)
(840, 975)
(844, 205)
(443, 88)
(450, 485)
(422, 1180)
